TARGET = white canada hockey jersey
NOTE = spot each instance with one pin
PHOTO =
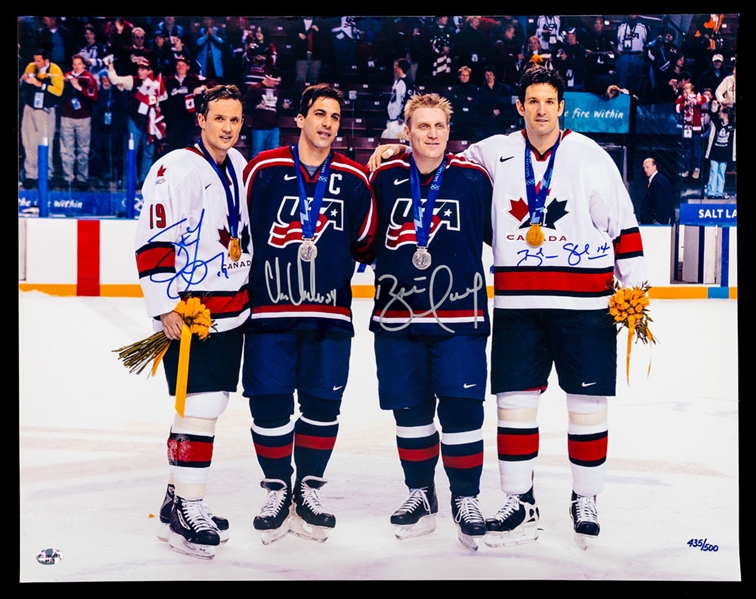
(183, 235)
(591, 233)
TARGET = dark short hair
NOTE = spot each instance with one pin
(539, 74)
(403, 64)
(219, 92)
(321, 90)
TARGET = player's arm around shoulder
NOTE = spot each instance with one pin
(480, 188)
(487, 152)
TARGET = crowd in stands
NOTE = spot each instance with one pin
(92, 85)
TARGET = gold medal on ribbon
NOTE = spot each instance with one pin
(234, 249)
(535, 236)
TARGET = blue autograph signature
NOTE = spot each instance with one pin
(194, 270)
(574, 254)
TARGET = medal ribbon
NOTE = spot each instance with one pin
(537, 200)
(306, 214)
(231, 201)
(423, 216)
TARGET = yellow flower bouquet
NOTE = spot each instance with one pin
(629, 308)
(137, 355)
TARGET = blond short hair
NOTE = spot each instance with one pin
(427, 101)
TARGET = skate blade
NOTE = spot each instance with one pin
(164, 532)
(584, 541)
(470, 542)
(424, 526)
(271, 536)
(300, 528)
(520, 536)
(180, 544)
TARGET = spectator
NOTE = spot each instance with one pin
(211, 48)
(146, 123)
(110, 119)
(261, 103)
(494, 104)
(401, 92)
(719, 151)
(41, 91)
(549, 32)
(570, 61)
(658, 203)
(76, 122)
(309, 46)
(465, 98)
(472, 48)
(632, 36)
(441, 36)
(93, 51)
(688, 104)
(180, 107)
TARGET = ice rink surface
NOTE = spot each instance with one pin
(93, 466)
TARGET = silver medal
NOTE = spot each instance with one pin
(421, 258)
(308, 251)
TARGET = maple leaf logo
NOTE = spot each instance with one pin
(224, 237)
(161, 171)
(518, 209)
(555, 210)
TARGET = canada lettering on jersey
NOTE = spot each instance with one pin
(287, 227)
(401, 229)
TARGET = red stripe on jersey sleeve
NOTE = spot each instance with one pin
(629, 244)
(226, 304)
(155, 257)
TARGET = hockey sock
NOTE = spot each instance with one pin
(517, 439)
(190, 452)
(315, 434)
(461, 422)
(417, 443)
(190, 443)
(587, 439)
(273, 434)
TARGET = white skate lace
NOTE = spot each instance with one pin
(585, 509)
(511, 505)
(311, 499)
(416, 497)
(196, 514)
(273, 503)
(468, 510)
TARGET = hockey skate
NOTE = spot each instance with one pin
(192, 529)
(273, 521)
(166, 510)
(515, 523)
(417, 515)
(585, 519)
(308, 520)
(469, 519)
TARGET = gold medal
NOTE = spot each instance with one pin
(535, 236)
(234, 249)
